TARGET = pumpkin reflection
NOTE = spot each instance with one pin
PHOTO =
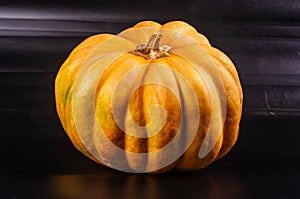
(144, 186)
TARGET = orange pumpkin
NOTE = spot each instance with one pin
(153, 98)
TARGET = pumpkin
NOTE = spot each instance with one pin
(152, 99)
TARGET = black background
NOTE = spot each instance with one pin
(261, 37)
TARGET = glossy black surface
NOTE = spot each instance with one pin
(264, 163)
(38, 160)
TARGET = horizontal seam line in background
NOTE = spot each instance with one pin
(86, 33)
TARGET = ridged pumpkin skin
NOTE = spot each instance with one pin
(146, 96)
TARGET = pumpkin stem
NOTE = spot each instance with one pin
(152, 50)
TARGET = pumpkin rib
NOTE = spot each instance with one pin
(79, 54)
(187, 30)
(190, 158)
(230, 89)
(232, 113)
(226, 63)
(230, 79)
(138, 145)
(108, 82)
(145, 24)
(173, 165)
(171, 127)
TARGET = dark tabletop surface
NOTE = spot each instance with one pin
(264, 163)
(39, 161)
